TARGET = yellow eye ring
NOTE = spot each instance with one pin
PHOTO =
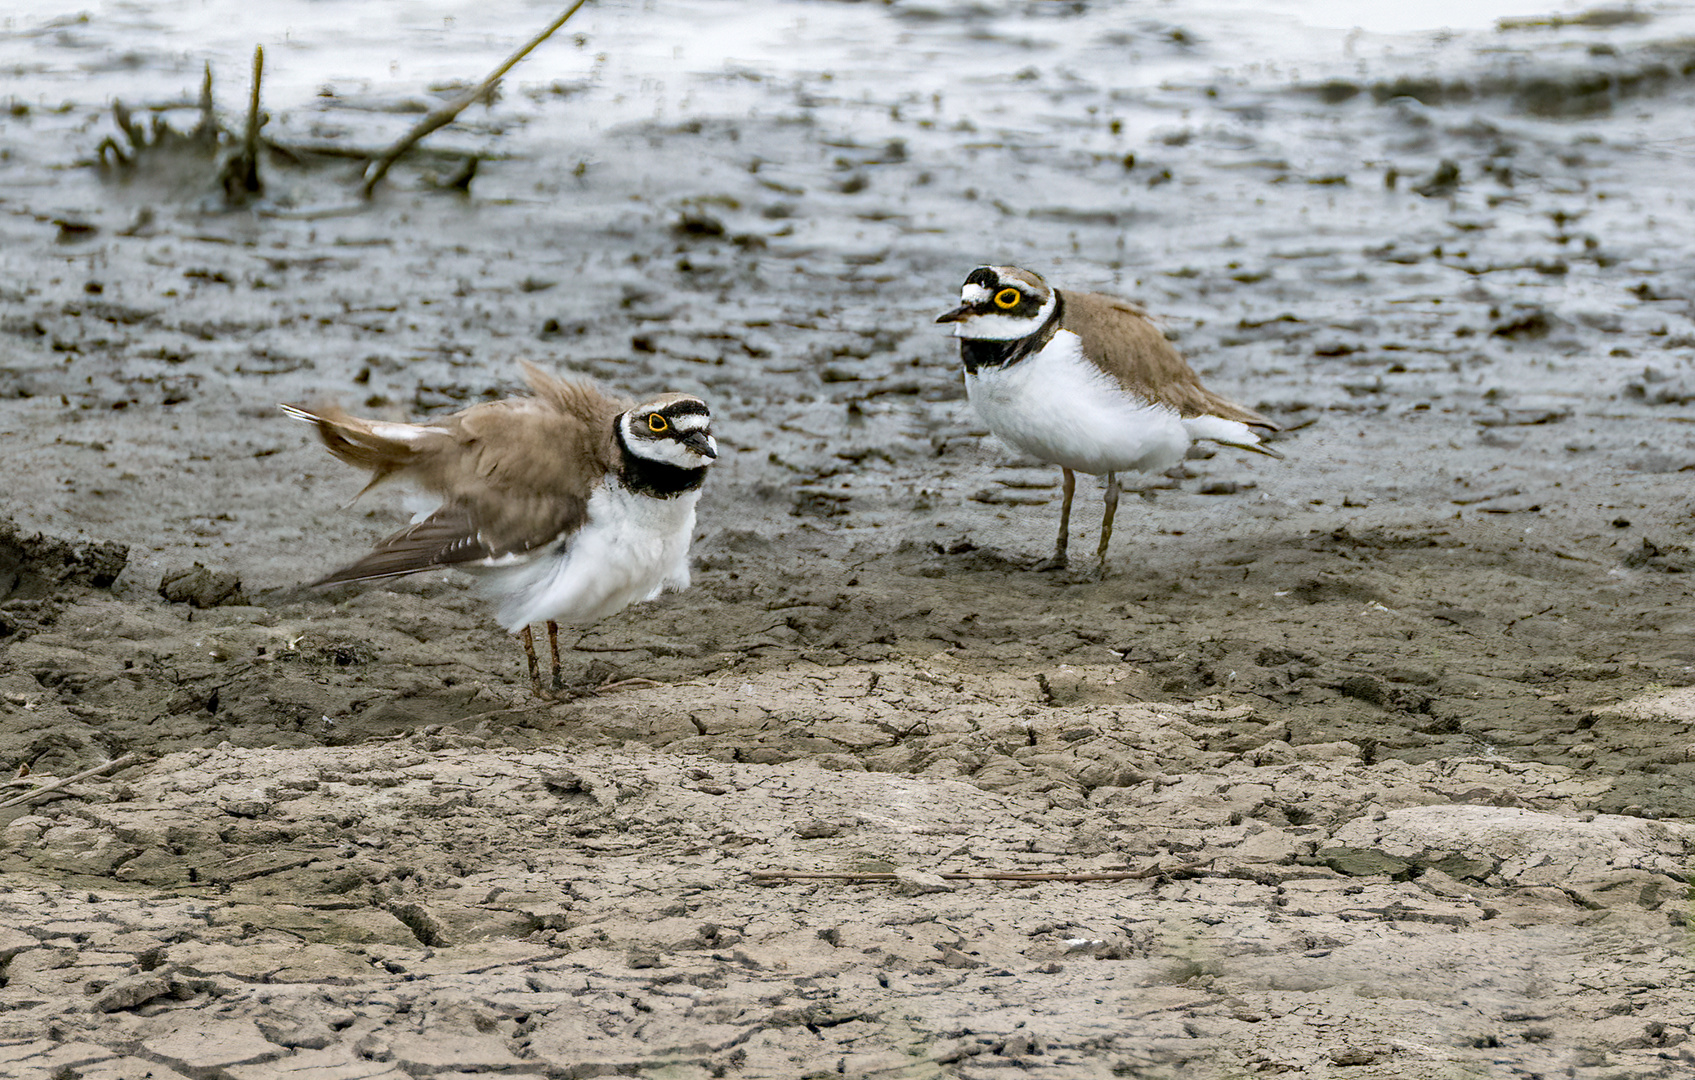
(1007, 298)
(657, 424)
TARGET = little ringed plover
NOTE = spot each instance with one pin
(1086, 382)
(569, 504)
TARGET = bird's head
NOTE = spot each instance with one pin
(675, 429)
(1000, 303)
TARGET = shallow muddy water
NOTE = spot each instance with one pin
(1454, 262)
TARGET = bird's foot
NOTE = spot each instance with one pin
(1056, 561)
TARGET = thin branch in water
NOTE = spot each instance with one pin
(445, 115)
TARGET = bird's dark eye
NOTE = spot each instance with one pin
(1007, 298)
(657, 424)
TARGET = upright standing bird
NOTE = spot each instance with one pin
(1086, 382)
(570, 504)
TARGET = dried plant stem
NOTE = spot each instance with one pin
(206, 131)
(250, 143)
(445, 115)
(35, 793)
(986, 875)
(240, 173)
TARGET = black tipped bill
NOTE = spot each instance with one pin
(700, 443)
(958, 314)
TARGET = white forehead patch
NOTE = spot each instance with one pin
(973, 293)
(691, 422)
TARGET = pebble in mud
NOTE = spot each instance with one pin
(200, 587)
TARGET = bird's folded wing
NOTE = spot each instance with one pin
(1121, 341)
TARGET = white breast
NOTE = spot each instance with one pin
(633, 547)
(1059, 407)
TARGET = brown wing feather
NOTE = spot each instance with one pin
(442, 539)
(1130, 348)
(386, 449)
(514, 475)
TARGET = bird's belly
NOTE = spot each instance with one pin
(628, 549)
(1075, 418)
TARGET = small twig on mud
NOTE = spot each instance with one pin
(987, 875)
(206, 131)
(126, 123)
(31, 796)
(448, 113)
(461, 180)
(109, 154)
(1532, 615)
(250, 142)
(624, 684)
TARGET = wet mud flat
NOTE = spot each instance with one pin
(1375, 761)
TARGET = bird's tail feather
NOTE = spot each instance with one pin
(382, 447)
(1229, 433)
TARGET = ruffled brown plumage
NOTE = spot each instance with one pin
(512, 475)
